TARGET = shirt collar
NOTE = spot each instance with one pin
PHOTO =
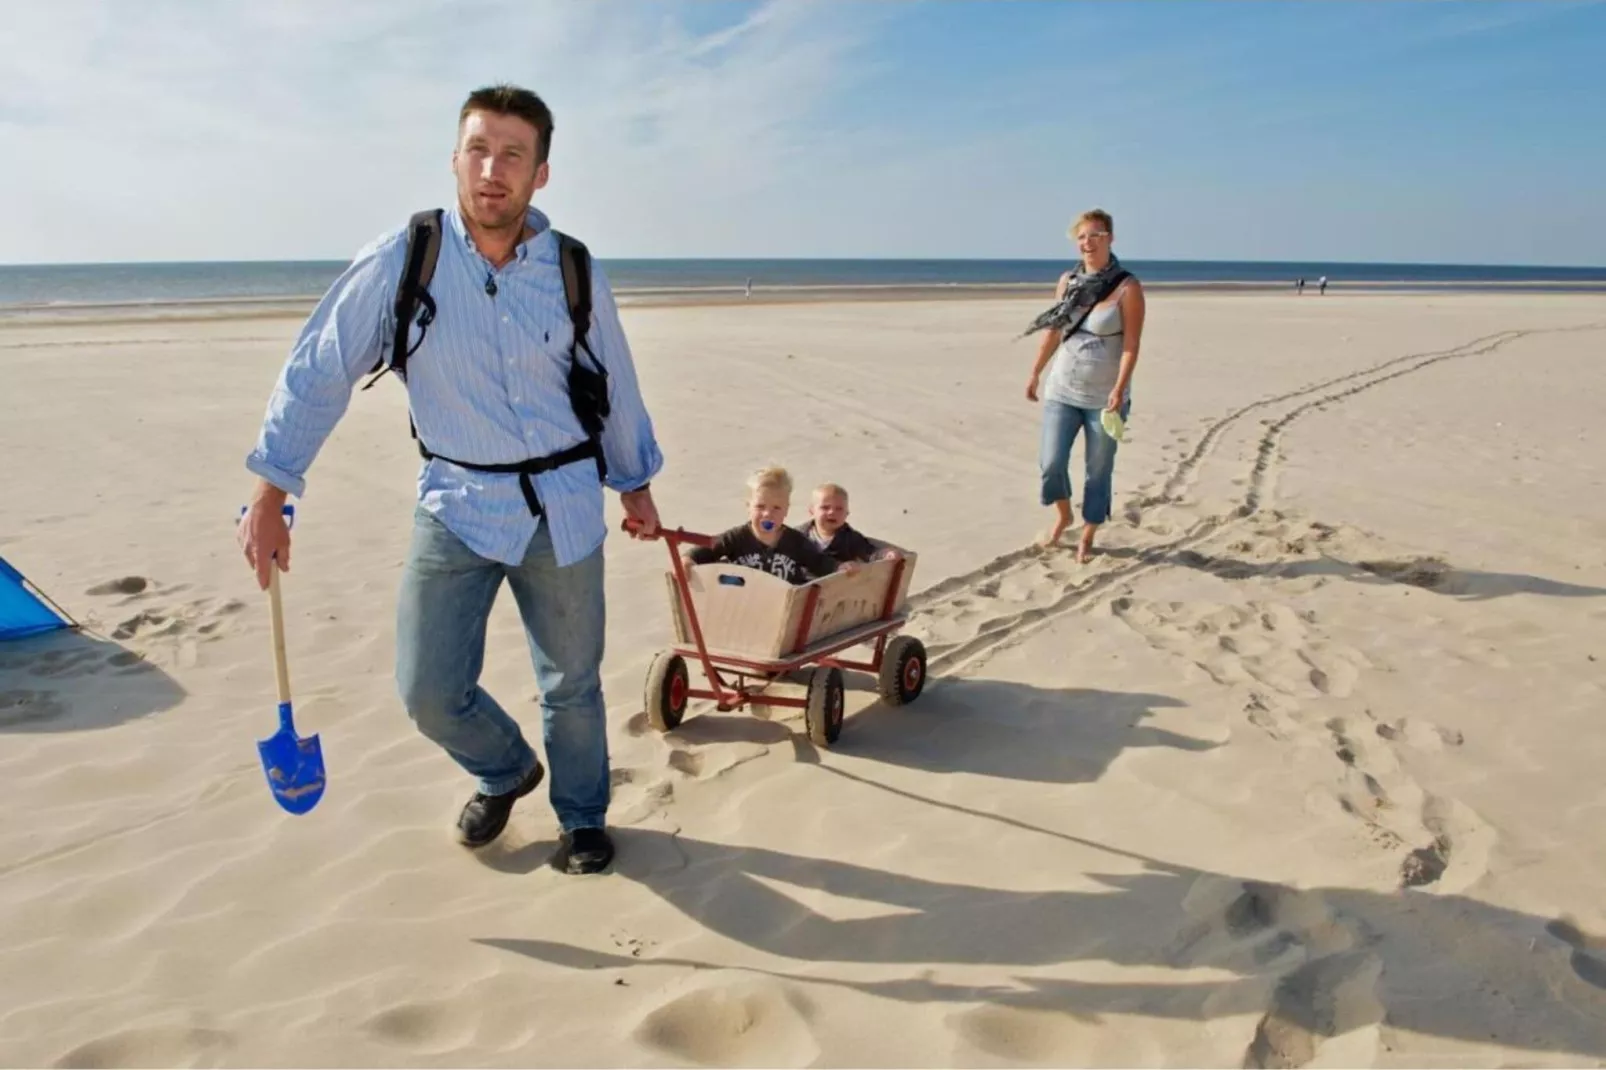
(534, 218)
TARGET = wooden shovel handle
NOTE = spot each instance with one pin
(281, 668)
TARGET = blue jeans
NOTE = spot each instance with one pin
(446, 596)
(1061, 423)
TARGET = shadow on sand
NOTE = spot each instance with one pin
(74, 681)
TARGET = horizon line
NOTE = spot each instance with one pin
(855, 259)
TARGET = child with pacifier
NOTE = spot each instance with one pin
(765, 542)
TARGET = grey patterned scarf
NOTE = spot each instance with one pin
(1086, 289)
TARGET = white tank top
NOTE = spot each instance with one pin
(1088, 361)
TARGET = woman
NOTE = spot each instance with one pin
(1092, 339)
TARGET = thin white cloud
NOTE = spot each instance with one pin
(171, 129)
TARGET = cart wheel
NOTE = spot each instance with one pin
(667, 690)
(823, 715)
(903, 671)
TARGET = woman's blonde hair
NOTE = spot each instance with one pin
(1092, 215)
(772, 478)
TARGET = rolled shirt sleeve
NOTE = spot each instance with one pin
(340, 341)
(628, 444)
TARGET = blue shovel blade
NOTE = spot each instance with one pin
(294, 766)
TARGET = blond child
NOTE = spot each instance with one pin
(828, 528)
(765, 542)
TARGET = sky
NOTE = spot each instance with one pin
(1440, 131)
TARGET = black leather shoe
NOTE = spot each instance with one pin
(485, 816)
(583, 851)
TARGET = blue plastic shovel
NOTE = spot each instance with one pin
(294, 766)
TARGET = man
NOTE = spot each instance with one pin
(487, 387)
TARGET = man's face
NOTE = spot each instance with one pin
(830, 512)
(496, 169)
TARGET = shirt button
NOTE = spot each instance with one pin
(504, 319)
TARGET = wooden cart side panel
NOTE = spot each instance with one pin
(849, 601)
(748, 617)
(909, 556)
(760, 618)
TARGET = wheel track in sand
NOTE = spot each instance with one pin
(1012, 628)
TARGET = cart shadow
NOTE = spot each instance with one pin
(1012, 730)
(993, 728)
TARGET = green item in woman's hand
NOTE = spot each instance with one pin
(1113, 425)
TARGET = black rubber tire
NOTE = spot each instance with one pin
(667, 684)
(903, 671)
(827, 700)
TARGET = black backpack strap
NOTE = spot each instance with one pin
(575, 259)
(588, 386)
(423, 249)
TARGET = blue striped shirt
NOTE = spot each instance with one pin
(488, 385)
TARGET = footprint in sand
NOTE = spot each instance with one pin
(1021, 1035)
(425, 1028)
(127, 585)
(151, 1046)
(65, 663)
(148, 624)
(751, 1024)
(1264, 646)
(1317, 1003)
(1429, 573)
(632, 807)
(714, 761)
(29, 707)
(1420, 734)
(1588, 958)
(1461, 840)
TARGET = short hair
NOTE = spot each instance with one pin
(1093, 215)
(831, 490)
(771, 478)
(504, 99)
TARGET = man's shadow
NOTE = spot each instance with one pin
(73, 681)
(1314, 962)
(988, 727)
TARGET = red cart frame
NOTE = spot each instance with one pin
(898, 661)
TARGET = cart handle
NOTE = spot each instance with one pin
(673, 536)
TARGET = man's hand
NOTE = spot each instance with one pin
(641, 514)
(1031, 389)
(263, 534)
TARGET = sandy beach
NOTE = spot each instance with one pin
(1303, 769)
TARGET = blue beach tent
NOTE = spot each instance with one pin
(24, 609)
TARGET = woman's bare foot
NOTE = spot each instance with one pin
(1084, 549)
(1062, 520)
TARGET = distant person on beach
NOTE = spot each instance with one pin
(1321, 284)
(1299, 284)
(747, 291)
(525, 507)
(1093, 336)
